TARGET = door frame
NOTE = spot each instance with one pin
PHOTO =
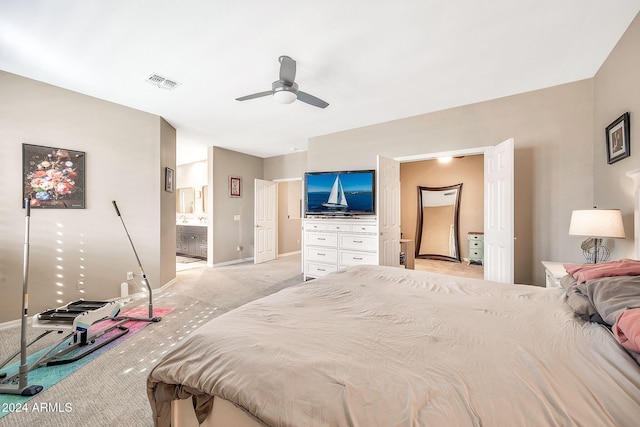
(453, 153)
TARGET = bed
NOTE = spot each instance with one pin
(383, 346)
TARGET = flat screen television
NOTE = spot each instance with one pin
(343, 193)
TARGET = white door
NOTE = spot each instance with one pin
(388, 209)
(266, 231)
(498, 212)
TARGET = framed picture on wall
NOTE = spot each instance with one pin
(168, 180)
(235, 186)
(53, 177)
(618, 143)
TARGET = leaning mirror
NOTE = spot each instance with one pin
(185, 200)
(437, 229)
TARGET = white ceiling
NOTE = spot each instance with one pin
(372, 61)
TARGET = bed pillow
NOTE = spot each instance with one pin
(584, 272)
(627, 329)
(578, 301)
(612, 295)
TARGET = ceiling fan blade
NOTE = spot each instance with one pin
(287, 70)
(255, 95)
(311, 100)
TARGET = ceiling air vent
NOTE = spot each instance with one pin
(162, 82)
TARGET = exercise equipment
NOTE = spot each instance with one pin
(151, 318)
(75, 318)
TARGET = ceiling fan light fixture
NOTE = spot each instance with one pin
(284, 95)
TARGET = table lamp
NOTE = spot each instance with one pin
(596, 224)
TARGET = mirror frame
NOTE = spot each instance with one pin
(456, 220)
(205, 189)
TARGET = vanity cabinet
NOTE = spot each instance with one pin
(191, 240)
(334, 244)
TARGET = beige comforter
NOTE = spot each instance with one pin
(380, 346)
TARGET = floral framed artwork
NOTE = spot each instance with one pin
(53, 177)
(168, 180)
(618, 139)
(235, 186)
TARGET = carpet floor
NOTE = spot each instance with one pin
(111, 389)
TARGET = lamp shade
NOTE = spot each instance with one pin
(597, 223)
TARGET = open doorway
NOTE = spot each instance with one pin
(498, 238)
(437, 173)
(289, 216)
(286, 208)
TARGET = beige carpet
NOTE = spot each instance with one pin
(111, 390)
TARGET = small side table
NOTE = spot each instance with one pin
(553, 272)
(408, 248)
(476, 247)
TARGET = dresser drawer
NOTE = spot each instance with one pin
(475, 236)
(364, 228)
(337, 227)
(322, 239)
(319, 270)
(475, 254)
(358, 242)
(314, 226)
(475, 244)
(348, 258)
(322, 255)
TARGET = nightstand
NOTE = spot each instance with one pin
(476, 247)
(553, 272)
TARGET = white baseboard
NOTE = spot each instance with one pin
(235, 261)
(289, 253)
(11, 324)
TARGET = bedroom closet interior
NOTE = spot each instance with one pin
(436, 173)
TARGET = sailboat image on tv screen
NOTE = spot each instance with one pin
(337, 199)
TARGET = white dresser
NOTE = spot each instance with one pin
(330, 244)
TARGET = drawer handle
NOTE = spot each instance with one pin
(322, 238)
(321, 254)
(358, 258)
(357, 241)
(321, 269)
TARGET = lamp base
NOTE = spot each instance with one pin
(594, 251)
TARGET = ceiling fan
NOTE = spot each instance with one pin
(285, 90)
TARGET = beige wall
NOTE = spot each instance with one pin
(552, 129)
(617, 90)
(126, 152)
(288, 166)
(228, 234)
(167, 204)
(467, 170)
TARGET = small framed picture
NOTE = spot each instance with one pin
(235, 186)
(618, 143)
(168, 180)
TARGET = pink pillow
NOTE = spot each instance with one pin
(584, 272)
(627, 329)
